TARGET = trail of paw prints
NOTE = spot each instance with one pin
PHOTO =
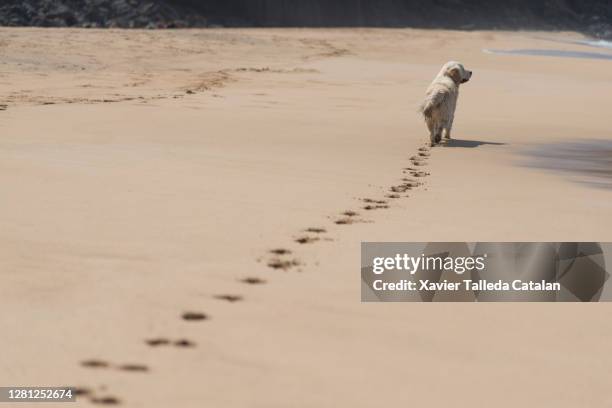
(418, 162)
(131, 367)
(416, 173)
(283, 259)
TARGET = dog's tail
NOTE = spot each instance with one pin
(431, 101)
(425, 108)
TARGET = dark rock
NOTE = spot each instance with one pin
(593, 17)
(98, 13)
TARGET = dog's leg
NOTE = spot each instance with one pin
(449, 126)
(432, 131)
(435, 135)
(438, 134)
(432, 138)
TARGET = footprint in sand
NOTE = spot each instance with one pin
(79, 392)
(424, 154)
(371, 201)
(411, 183)
(105, 400)
(157, 342)
(95, 364)
(375, 207)
(253, 281)
(184, 343)
(306, 240)
(283, 264)
(280, 251)
(393, 196)
(316, 230)
(99, 364)
(419, 163)
(161, 342)
(418, 160)
(136, 368)
(416, 173)
(194, 316)
(402, 188)
(408, 184)
(424, 149)
(229, 298)
(348, 218)
(345, 221)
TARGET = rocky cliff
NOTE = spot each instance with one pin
(590, 16)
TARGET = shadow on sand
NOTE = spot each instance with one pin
(469, 143)
(587, 161)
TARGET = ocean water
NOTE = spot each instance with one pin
(597, 43)
(594, 43)
(551, 53)
(585, 161)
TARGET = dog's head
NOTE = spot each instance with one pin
(456, 72)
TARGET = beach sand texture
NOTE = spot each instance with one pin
(182, 213)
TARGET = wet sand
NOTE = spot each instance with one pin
(183, 215)
(553, 53)
(586, 161)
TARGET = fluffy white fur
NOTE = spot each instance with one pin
(440, 102)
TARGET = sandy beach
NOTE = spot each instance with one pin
(147, 176)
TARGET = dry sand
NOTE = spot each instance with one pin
(145, 173)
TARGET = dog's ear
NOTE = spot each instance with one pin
(455, 74)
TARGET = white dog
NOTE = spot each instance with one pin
(440, 102)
